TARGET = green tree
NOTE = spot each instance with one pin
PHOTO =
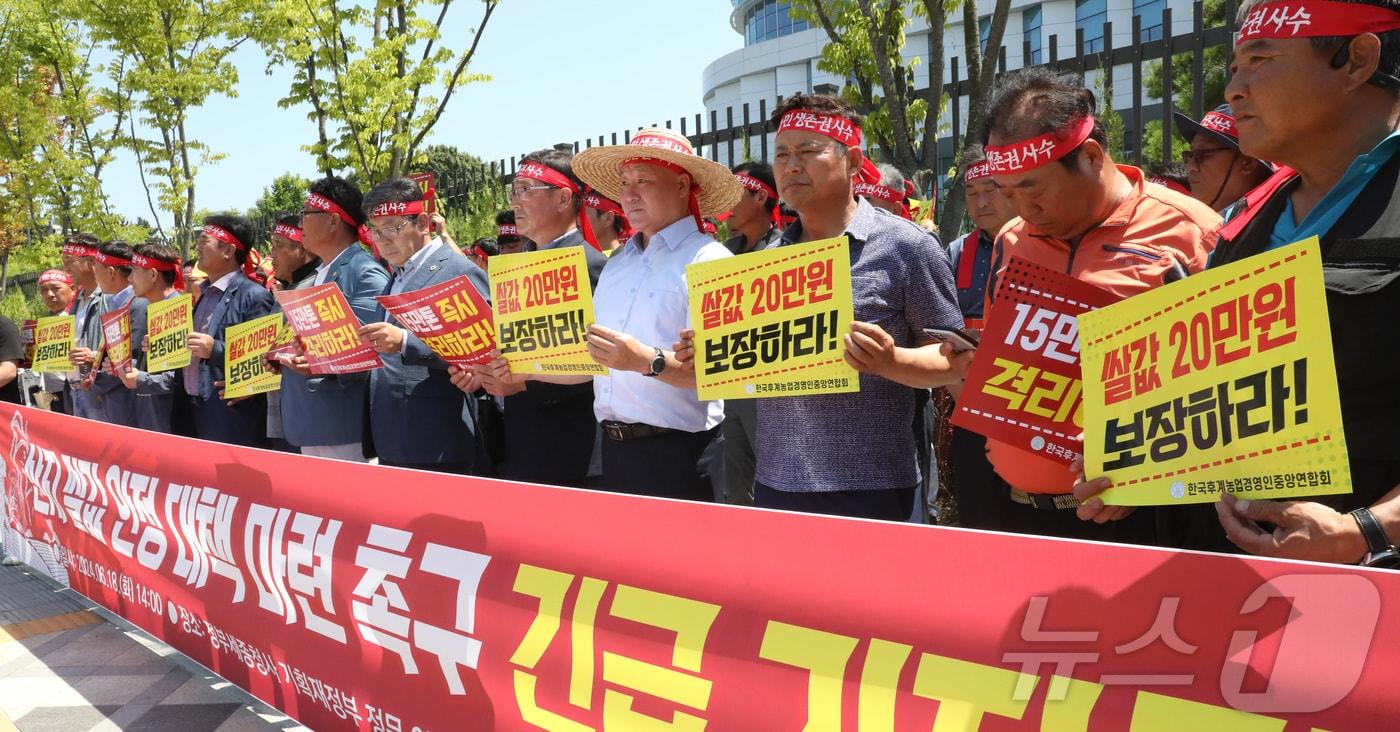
(1214, 77)
(57, 133)
(374, 100)
(176, 57)
(866, 42)
(469, 192)
(285, 195)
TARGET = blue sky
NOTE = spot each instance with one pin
(563, 70)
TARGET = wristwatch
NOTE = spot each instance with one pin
(1380, 552)
(658, 364)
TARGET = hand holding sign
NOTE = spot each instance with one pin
(618, 350)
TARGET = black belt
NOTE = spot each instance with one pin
(1045, 501)
(623, 431)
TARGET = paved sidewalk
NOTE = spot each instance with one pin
(67, 666)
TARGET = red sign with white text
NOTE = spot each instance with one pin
(1024, 387)
(116, 339)
(443, 604)
(329, 331)
(451, 317)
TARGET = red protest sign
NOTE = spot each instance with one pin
(428, 182)
(452, 318)
(26, 340)
(441, 605)
(329, 332)
(1024, 387)
(116, 334)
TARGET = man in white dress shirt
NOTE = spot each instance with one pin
(655, 430)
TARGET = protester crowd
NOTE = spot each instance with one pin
(1305, 145)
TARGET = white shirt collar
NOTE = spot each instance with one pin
(222, 282)
(326, 266)
(416, 261)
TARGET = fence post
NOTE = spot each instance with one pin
(763, 120)
(1198, 89)
(729, 143)
(1170, 91)
(955, 101)
(1137, 89)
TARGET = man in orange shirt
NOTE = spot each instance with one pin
(1082, 214)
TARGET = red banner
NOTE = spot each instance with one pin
(329, 332)
(461, 603)
(452, 318)
(1024, 387)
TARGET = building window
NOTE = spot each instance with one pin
(984, 29)
(1089, 16)
(770, 19)
(1151, 13)
(1030, 33)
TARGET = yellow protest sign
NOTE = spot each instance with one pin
(168, 325)
(245, 371)
(53, 340)
(542, 305)
(1223, 381)
(770, 323)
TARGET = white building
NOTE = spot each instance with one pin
(780, 54)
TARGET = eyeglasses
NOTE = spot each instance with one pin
(389, 232)
(304, 214)
(1199, 157)
(520, 191)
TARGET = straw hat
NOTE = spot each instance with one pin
(601, 167)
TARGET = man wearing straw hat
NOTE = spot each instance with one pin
(654, 429)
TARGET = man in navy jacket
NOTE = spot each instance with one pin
(228, 298)
(418, 419)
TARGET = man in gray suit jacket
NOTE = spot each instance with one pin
(418, 419)
(107, 397)
(324, 415)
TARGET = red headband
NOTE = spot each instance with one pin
(977, 171)
(76, 249)
(319, 202)
(478, 251)
(225, 236)
(1315, 18)
(599, 202)
(693, 205)
(110, 260)
(507, 230)
(834, 126)
(755, 184)
(869, 173)
(287, 231)
(137, 260)
(550, 176)
(398, 208)
(55, 275)
(870, 190)
(1027, 155)
(1222, 123)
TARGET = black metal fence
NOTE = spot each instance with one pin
(743, 132)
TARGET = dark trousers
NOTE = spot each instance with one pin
(671, 465)
(244, 423)
(1139, 527)
(981, 494)
(549, 434)
(885, 505)
(457, 468)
